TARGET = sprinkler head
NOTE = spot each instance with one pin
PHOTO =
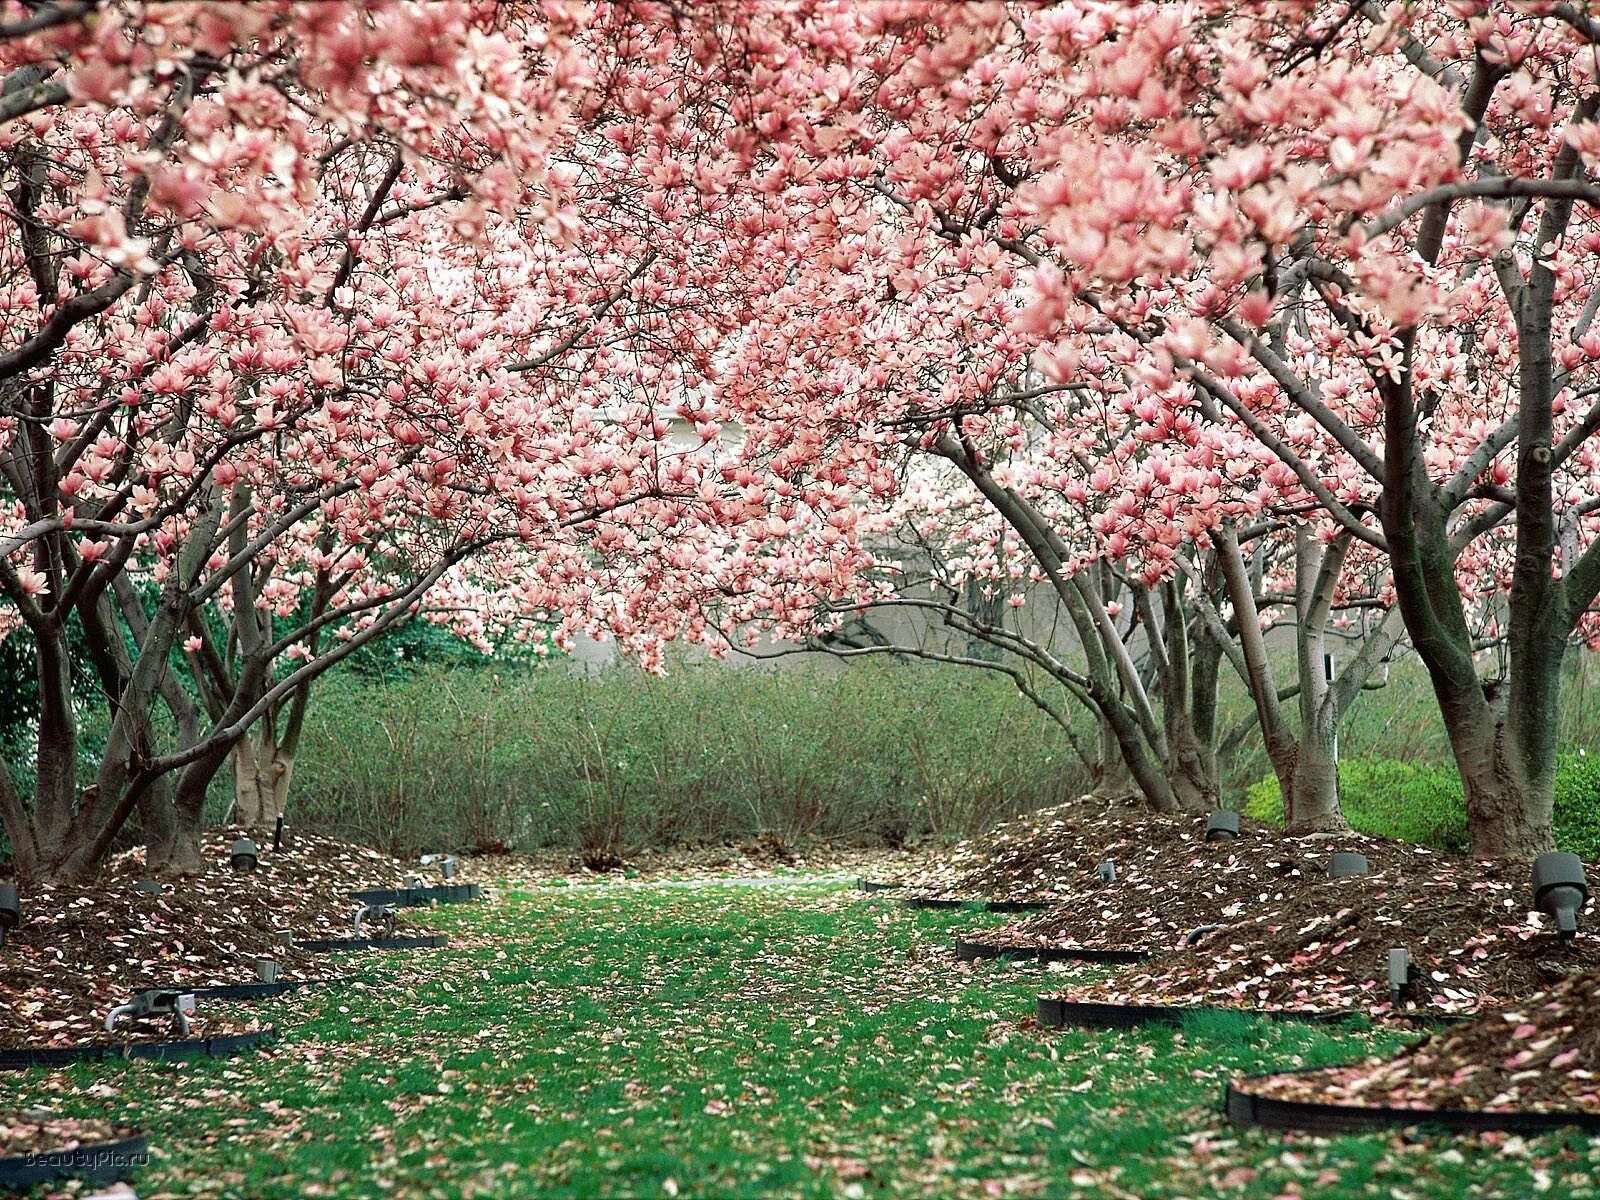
(1560, 890)
(1346, 863)
(245, 855)
(1222, 826)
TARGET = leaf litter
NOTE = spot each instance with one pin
(83, 948)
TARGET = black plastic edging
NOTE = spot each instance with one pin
(430, 942)
(1055, 1013)
(101, 1162)
(994, 906)
(973, 951)
(874, 885)
(1247, 1110)
(454, 893)
(260, 991)
(221, 1046)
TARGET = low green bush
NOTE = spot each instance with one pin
(543, 756)
(1423, 803)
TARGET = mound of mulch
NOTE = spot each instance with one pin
(1171, 884)
(1048, 854)
(83, 948)
(1323, 944)
(1543, 1055)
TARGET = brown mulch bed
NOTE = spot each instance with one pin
(1322, 944)
(1050, 854)
(1170, 881)
(36, 1130)
(1543, 1055)
(83, 948)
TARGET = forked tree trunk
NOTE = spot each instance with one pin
(1311, 800)
(180, 853)
(1509, 807)
(262, 771)
(1194, 783)
(1109, 777)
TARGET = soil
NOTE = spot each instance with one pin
(35, 1130)
(1534, 1057)
(82, 949)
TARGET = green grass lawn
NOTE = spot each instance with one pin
(791, 1040)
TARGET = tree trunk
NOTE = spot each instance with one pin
(63, 856)
(157, 825)
(1311, 799)
(1508, 808)
(181, 854)
(1109, 777)
(1149, 777)
(262, 771)
(178, 853)
(1193, 783)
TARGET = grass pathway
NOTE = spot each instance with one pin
(791, 1040)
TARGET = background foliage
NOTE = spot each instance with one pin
(431, 747)
(539, 755)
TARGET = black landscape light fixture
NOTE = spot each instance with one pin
(1222, 826)
(381, 914)
(1401, 973)
(10, 910)
(1560, 890)
(277, 835)
(153, 1002)
(1347, 863)
(1106, 872)
(245, 855)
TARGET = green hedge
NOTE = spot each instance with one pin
(1423, 804)
(546, 756)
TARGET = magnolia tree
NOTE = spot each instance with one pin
(1375, 228)
(1356, 238)
(187, 384)
(325, 317)
(1302, 579)
(901, 341)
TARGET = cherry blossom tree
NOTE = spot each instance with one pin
(327, 317)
